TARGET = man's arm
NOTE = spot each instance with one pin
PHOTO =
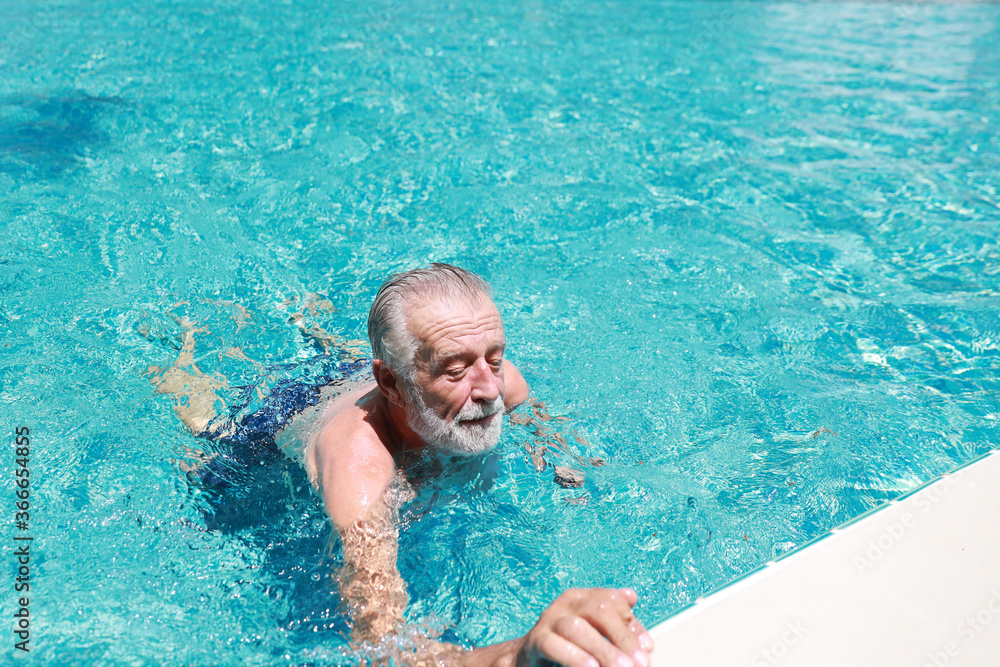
(354, 480)
(582, 628)
(370, 584)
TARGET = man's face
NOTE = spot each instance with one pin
(456, 400)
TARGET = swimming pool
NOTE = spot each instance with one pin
(749, 249)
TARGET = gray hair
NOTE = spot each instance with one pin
(390, 337)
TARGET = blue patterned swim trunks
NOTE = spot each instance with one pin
(246, 431)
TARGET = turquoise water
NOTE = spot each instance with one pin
(749, 249)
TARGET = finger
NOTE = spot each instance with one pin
(642, 635)
(618, 601)
(615, 620)
(561, 650)
(637, 628)
(630, 596)
(608, 600)
(619, 633)
(584, 636)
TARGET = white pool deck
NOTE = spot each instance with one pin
(913, 583)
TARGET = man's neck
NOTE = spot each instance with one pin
(399, 438)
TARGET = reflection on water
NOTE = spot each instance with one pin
(44, 136)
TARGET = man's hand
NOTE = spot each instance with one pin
(588, 628)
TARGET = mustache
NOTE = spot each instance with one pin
(473, 410)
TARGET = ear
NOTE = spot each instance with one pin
(387, 382)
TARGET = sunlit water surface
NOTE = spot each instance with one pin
(749, 249)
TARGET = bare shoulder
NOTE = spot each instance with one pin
(515, 386)
(350, 464)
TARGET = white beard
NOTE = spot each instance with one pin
(456, 437)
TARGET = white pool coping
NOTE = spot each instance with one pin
(914, 583)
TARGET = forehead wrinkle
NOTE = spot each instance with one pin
(464, 321)
(445, 331)
(443, 337)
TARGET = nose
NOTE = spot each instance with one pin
(486, 385)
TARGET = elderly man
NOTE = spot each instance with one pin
(441, 383)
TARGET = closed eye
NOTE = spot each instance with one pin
(455, 371)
